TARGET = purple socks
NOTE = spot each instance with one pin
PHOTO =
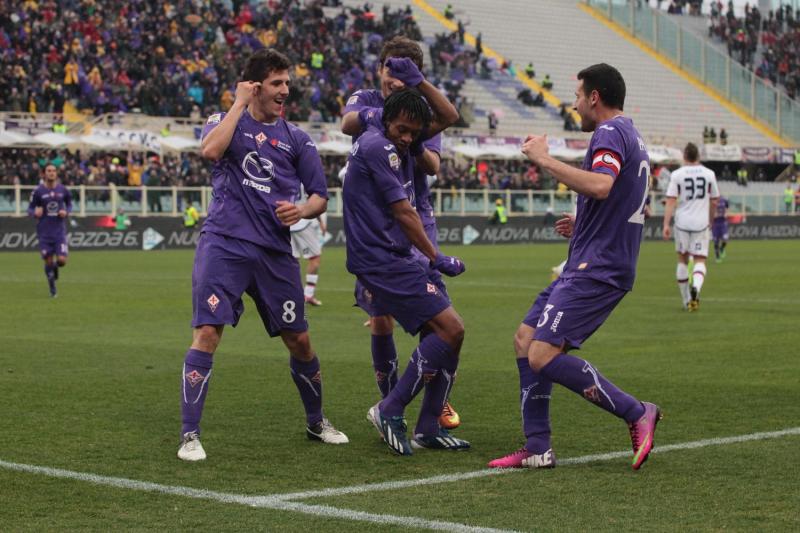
(384, 361)
(307, 378)
(582, 378)
(194, 387)
(534, 402)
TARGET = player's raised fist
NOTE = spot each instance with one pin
(449, 265)
(246, 91)
(535, 147)
(405, 70)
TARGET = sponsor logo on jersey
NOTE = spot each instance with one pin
(213, 302)
(311, 144)
(214, 119)
(388, 147)
(353, 99)
(260, 138)
(194, 377)
(248, 135)
(606, 127)
(556, 320)
(258, 168)
(394, 161)
(354, 148)
(280, 144)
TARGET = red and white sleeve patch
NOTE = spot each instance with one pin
(606, 159)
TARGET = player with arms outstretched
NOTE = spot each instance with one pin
(260, 163)
(50, 204)
(605, 235)
(693, 187)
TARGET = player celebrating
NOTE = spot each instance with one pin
(362, 108)
(50, 203)
(381, 225)
(260, 163)
(605, 235)
(696, 186)
(307, 236)
(719, 229)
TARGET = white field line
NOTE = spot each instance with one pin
(395, 485)
(282, 502)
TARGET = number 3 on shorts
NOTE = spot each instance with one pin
(289, 315)
(545, 316)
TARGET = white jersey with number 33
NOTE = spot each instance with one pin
(694, 186)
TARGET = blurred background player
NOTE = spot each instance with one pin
(307, 239)
(719, 229)
(381, 225)
(50, 204)
(605, 236)
(245, 246)
(365, 106)
(693, 187)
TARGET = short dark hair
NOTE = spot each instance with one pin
(608, 83)
(402, 46)
(50, 164)
(409, 102)
(262, 63)
(691, 153)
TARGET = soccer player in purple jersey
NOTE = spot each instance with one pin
(364, 108)
(260, 161)
(51, 203)
(381, 226)
(719, 229)
(605, 235)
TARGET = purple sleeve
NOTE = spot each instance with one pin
(309, 168)
(385, 169)
(608, 151)
(212, 122)
(434, 144)
(35, 202)
(361, 99)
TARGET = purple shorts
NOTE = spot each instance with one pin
(225, 268)
(719, 230)
(405, 292)
(53, 246)
(570, 310)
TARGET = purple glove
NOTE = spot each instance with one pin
(405, 70)
(448, 265)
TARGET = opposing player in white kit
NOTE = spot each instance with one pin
(693, 187)
(307, 239)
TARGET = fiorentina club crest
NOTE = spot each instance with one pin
(431, 288)
(194, 377)
(592, 394)
(213, 301)
(260, 138)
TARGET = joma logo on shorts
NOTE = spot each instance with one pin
(556, 320)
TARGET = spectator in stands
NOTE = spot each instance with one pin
(530, 71)
(788, 198)
(526, 97)
(448, 12)
(742, 176)
(723, 136)
(493, 122)
(712, 136)
(547, 83)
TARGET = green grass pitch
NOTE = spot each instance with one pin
(89, 382)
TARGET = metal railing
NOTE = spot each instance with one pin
(692, 53)
(170, 201)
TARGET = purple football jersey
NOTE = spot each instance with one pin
(264, 163)
(372, 98)
(722, 208)
(50, 226)
(607, 234)
(377, 176)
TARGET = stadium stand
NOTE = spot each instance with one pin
(665, 107)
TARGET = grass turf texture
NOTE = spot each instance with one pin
(90, 383)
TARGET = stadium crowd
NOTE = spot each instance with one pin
(767, 44)
(173, 58)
